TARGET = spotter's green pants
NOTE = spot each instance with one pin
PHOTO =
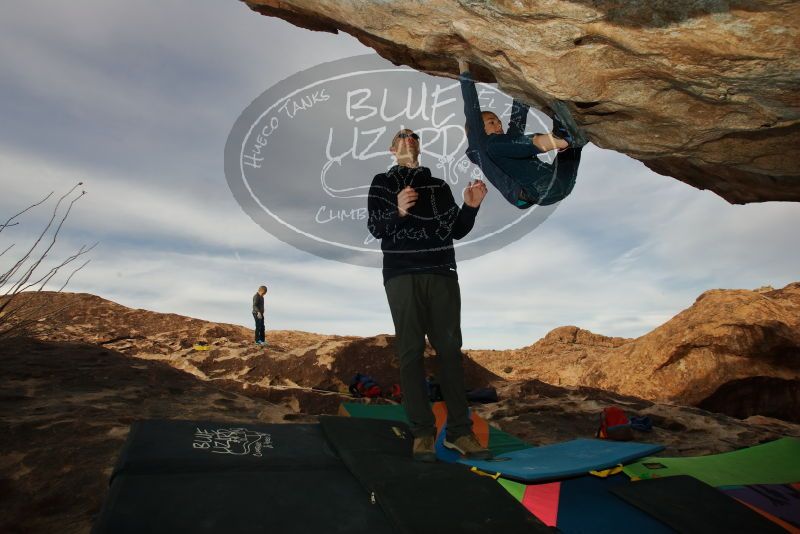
(429, 304)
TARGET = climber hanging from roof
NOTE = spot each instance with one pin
(509, 159)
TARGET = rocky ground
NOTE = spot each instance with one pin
(67, 408)
(69, 392)
(733, 351)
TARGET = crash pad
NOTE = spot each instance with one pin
(691, 506)
(775, 462)
(584, 504)
(391, 412)
(780, 503)
(155, 446)
(562, 460)
(211, 477)
(539, 499)
(421, 497)
(496, 440)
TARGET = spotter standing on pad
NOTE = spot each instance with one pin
(509, 159)
(416, 218)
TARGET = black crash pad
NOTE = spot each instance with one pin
(170, 446)
(691, 506)
(206, 477)
(423, 497)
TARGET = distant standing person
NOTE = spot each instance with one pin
(258, 314)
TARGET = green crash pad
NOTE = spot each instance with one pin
(776, 462)
(389, 412)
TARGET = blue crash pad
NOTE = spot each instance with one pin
(562, 460)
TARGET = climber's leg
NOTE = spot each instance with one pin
(523, 169)
(562, 179)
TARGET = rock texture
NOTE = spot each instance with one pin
(309, 372)
(542, 414)
(67, 408)
(704, 91)
(732, 351)
(737, 351)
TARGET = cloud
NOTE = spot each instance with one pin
(152, 88)
(623, 260)
(313, 295)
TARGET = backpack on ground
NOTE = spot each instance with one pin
(614, 425)
(364, 386)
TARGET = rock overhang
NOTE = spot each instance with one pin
(705, 92)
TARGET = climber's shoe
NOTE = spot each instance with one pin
(565, 127)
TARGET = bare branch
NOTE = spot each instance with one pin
(52, 272)
(24, 278)
(5, 224)
(71, 274)
(19, 312)
(6, 276)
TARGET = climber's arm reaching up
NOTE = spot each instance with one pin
(472, 108)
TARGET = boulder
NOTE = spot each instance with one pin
(703, 91)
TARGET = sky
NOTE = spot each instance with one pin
(137, 99)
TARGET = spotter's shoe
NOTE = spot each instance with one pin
(469, 447)
(424, 449)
